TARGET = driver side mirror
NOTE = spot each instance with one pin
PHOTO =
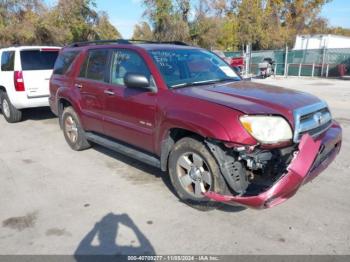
(138, 81)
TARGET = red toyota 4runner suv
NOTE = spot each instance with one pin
(184, 110)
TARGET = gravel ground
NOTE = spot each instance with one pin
(57, 201)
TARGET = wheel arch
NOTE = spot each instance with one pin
(171, 137)
(63, 103)
(181, 124)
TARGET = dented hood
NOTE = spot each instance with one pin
(252, 98)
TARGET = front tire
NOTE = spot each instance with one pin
(194, 171)
(73, 131)
(11, 114)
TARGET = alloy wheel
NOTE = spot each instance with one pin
(194, 174)
(71, 129)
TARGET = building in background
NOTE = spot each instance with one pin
(309, 42)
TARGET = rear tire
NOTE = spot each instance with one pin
(73, 131)
(11, 114)
(191, 168)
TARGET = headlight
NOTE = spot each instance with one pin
(267, 129)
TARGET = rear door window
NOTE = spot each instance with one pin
(8, 61)
(64, 61)
(38, 59)
(95, 65)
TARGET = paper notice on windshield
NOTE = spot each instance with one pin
(228, 71)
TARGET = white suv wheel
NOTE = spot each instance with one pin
(6, 108)
(10, 113)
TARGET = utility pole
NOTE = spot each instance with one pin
(323, 60)
(286, 63)
(247, 59)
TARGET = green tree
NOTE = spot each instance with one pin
(32, 22)
(250, 27)
(205, 29)
(168, 20)
(228, 39)
(78, 17)
(159, 14)
(183, 9)
(143, 31)
(104, 29)
(19, 21)
(274, 23)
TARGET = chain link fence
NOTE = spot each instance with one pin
(314, 63)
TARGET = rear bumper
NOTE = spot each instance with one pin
(21, 101)
(313, 157)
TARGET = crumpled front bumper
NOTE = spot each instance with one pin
(313, 157)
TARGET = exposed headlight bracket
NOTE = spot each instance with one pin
(233, 170)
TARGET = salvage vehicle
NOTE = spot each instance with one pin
(24, 78)
(184, 110)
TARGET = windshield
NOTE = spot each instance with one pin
(192, 67)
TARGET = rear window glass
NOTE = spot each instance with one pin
(8, 61)
(64, 62)
(38, 60)
(95, 65)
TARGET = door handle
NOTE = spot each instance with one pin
(78, 86)
(109, 92)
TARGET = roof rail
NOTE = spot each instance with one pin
(175, 43)
(99, 42)
(158, 42)
(123, 41)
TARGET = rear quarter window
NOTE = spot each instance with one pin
(38, 59)
(64, 61)
(8, 61)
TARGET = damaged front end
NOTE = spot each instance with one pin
(263, 178)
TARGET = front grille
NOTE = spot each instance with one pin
(313, 120)
(311, 115)
(316, 131)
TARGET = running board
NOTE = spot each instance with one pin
(123, 149)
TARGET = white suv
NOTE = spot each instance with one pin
(24, 78)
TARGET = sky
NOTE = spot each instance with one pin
(338, 13)
(125, 14)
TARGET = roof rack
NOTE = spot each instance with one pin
(123, 42)
(158, 42)
(99, 42)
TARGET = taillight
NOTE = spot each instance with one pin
(18, 81)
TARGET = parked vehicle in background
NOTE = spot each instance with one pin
(343, 69)
(222, 55)
(24, 78)
(267, 68)
(237, 63)
(184, 110)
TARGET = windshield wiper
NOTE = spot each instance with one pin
(191, 84)
(214, 81)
